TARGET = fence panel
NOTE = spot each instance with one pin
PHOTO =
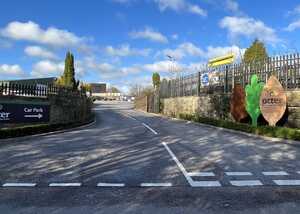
(222, 79)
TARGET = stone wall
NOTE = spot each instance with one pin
(69, 109)
(217, 106)
(62, 109)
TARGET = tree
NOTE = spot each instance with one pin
(113, 89)
(68, 77)
(138, 90)
(156, 80)
(256, 52)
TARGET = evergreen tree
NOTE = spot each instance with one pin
(69, 72)
(156, 80)
(256, 52)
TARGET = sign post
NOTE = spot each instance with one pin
(273, 101)
(24, 113)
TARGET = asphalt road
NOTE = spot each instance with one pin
(132, 162)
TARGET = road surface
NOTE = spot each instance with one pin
(133, 162)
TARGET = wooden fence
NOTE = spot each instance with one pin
(222, 79)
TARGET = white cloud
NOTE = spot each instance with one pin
(249, 27)
(30, 31)
(293, 26)
(37, 51)
(183, 50)
(162, 66)
(47, 68)
(10, 71)
(180, 5)
(125, 50)
(197, 10)
(232, 6)
(150, 34)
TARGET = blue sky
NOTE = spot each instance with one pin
(122, 42)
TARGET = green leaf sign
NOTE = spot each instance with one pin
(253, 92)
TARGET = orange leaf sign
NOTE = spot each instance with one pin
(237, 103)
(273, 101)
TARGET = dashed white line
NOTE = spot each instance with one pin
(201, 174)
(238, 173)
(64, 184)
(287, 182)
(275, 173)
(148, 127)
(156, 184)
(241, 183)
(298, 172)
(110, 185)
(206, 184)
(19, 185)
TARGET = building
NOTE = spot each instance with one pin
(97, 88)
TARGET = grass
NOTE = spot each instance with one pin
(269, 131)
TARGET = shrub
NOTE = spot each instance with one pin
(279, 132)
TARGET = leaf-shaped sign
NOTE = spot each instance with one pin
(273, 101)
(237, 103)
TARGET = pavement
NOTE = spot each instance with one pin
(133, 162)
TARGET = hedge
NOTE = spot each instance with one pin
(38, 129)
(269, 131)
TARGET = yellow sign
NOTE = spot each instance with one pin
(224, 60)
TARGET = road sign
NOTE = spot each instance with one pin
(23, 113)
(205, 79)
(273, 101)
(224, 60)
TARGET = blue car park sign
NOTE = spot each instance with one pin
(24, 113)
(205, 79)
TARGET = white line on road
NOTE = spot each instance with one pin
(148, 127)
(19, 185)
(64, 184)
(287, 182)
(156, 184)
(206, 184)
(185, 173)
(246, 183)
(110, 185)
(275, 173)
(201, 174)
(238, 173)
(298, 172)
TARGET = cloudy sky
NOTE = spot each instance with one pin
(123, 41)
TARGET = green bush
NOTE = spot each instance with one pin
(278, 132)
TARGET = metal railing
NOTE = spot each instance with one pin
(44, 91)
(222, 79)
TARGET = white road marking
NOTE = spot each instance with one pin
(287, 182)
(148, 127)
(298, 172)
(156, 184)
(246, 183)
(238, 173)
(64, 184)
(185, 173)
(110, 185)
(180, 166)
(275, 173)
(201, 174)
(19, 185)
(206, 184)
(129, 116)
